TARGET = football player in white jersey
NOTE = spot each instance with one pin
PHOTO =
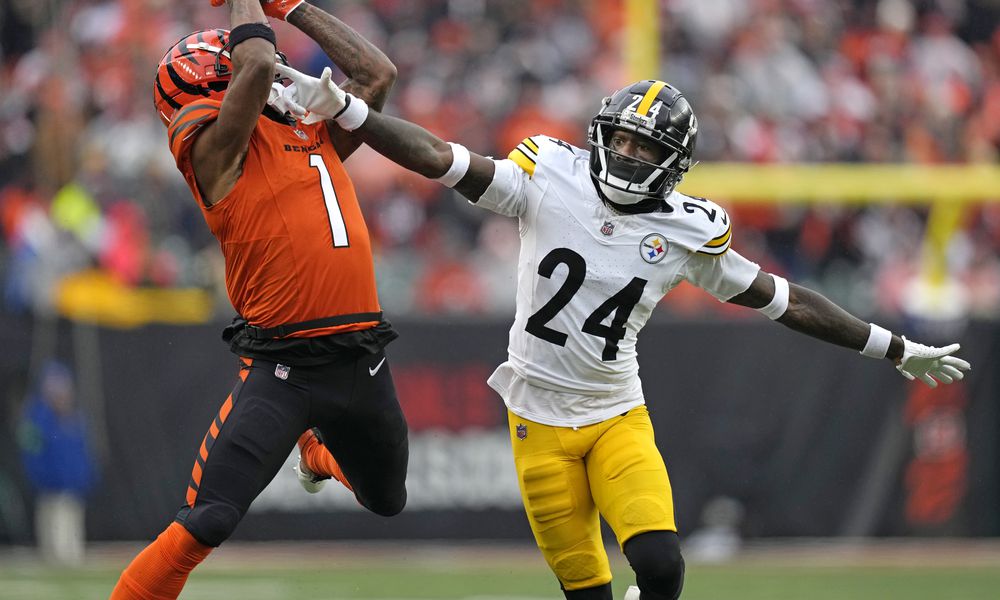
(604, 236)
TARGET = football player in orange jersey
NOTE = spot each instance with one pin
(310, 335)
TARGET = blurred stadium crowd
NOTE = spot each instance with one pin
(87, 181)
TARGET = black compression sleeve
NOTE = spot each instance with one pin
(244, 32)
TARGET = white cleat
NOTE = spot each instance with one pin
(310, 481)
(632, 593)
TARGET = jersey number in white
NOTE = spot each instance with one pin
(621, 304)
(654, 110)
(338, 229)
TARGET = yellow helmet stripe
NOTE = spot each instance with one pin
(647, 100)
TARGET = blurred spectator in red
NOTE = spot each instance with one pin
(771, 81)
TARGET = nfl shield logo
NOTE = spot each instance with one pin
(282, 371)
(522, 431)
(608, 228)
(301, 134)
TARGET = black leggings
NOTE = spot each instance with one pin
(353, 404)
(655, 556)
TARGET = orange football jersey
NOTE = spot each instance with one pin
(295, 242)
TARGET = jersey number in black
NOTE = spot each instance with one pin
(621, 304)
(690, 207)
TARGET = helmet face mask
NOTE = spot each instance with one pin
(197, 66)
(658, 114)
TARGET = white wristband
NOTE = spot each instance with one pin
(779, 304)
(878, 342)
(353, 115)
(459, 165)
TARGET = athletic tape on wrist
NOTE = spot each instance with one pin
(779, 304)
(878, 342)
(459, 165)
(354, 113)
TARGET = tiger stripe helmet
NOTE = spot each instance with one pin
(198, 66)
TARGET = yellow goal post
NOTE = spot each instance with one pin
(947, 189)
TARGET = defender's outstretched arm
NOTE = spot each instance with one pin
(407, 144)
(811, 313)
(413, 147)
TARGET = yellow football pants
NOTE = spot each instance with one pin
(569, 475)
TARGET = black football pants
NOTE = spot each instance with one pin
(352, 402)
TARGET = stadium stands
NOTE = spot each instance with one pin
(86, 179)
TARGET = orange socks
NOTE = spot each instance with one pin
(160, 571)
(319, 460)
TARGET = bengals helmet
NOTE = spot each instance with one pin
(653, 110)
(198, 66)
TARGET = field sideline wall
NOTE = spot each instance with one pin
(785, 425)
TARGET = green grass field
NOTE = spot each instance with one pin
(297, 572)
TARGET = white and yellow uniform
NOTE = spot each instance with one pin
(588, 280)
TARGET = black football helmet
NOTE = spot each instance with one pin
(654, 110)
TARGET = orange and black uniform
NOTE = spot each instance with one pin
(310, 332)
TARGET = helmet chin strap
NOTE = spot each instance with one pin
(618, 196)
(623, 198)
(626, 202)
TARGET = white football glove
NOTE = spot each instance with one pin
(930, 364)
(281, 100)
(320, 97)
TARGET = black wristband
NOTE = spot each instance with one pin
(244, 32)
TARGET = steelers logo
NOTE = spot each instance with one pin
(653, 248)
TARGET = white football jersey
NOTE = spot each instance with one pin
(589, 278)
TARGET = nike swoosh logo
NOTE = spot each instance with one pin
(372, 371)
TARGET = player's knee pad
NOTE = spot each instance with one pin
(387, 505)
(600, 592)
(546, 496)
(655, 557)
(580, 567)
(212, 524)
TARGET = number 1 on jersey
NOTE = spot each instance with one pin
(338, 229)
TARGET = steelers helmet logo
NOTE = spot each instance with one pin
(653, 248)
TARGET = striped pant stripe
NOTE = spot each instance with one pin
(213, 432)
